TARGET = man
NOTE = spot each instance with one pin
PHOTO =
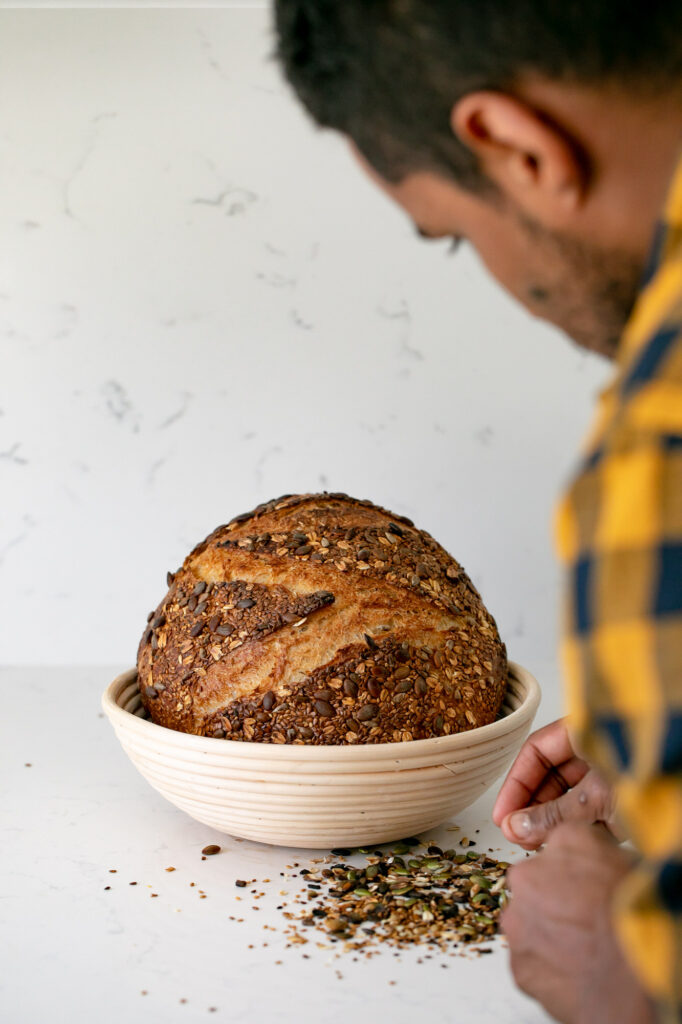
(548, 134)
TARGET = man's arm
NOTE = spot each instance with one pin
(621, 537)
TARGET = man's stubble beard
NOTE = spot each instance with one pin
(590, 292)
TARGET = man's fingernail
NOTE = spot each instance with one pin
(520, 825)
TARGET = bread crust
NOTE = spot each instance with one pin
(321, 619)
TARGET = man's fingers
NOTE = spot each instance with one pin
(546, 759)
(591, 800)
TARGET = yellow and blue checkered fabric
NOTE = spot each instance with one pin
(619, 535)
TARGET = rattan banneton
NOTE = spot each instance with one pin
(322, 796)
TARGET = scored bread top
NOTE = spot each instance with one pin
(320, 618)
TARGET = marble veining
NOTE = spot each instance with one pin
(207, 305)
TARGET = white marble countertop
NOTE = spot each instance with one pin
(74, 811)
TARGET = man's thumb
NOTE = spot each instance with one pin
(532, 826)
(591, 800)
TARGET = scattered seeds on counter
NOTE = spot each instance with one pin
(401, 898)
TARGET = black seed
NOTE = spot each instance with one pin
(240, 883)
(421, 686)
(225, 629)
(147, 636)
(340, 851)
(422, 570)
(269, 700)
(247, 602)
(159, 621)
(394, 528)
(192, 603)
(196, 628)
(349, 688)
(370, 642)
(300, 538)
(325, 595)
(201, 607)
(199, 588)
(364, 554)
(213, 623)
(324, 709)
(290, 617)
(439, 722)
(366, 712)
(435, 851)
(169, 578)
(304, 549)
(306, 732)
(150, 616)
(155, 641)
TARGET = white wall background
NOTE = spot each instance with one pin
(203, 305)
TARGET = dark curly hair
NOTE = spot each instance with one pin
(387, 73)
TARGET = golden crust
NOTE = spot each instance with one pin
(321, 619)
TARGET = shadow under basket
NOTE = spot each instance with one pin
(322, 796)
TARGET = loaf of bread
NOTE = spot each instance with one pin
(321, 619)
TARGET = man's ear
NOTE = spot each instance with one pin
(530, 159)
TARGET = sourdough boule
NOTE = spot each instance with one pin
(321, 619)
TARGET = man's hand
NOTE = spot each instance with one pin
(548, 784)
(558, 923)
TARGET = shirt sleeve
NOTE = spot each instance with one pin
(620, 537)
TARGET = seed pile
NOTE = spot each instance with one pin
(404, 898)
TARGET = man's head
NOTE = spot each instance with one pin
(542, 131)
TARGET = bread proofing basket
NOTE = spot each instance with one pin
(322, 796)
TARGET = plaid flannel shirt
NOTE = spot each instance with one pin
(619, 535)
